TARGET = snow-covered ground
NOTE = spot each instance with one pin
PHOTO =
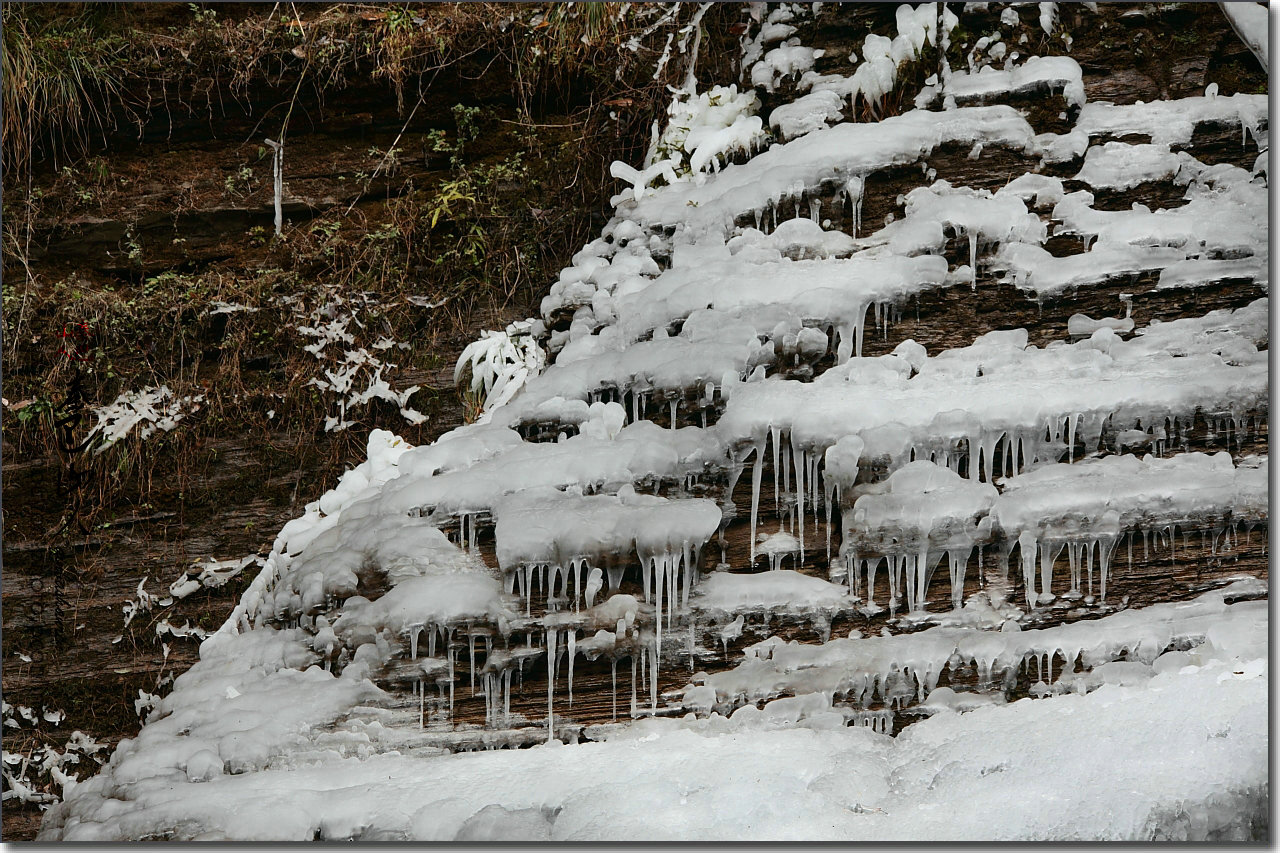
(715, 332)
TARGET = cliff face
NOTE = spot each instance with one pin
(422, 209)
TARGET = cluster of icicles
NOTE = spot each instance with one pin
(561, 634)
(894, 671)
(556, 637)
(504, 668)
(823, 479)
(846, 196)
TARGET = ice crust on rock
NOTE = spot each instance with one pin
(920, 512)
(806, 114)
(779, 591)
(1048, 73)
(1030, 267)
(784, 172)
(571, 533)
(998, 387)
(1120, 166)
(1204, 777)
(895, 669)
(1170, 122)
(1087, 506)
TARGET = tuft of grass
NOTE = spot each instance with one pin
(59, 75)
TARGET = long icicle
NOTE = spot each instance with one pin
(552, 642)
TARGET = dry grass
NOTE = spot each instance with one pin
(61, 74)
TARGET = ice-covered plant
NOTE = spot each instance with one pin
(702, 130)
(334, 322)
(150, 409)
(33, 771)
(501, 362)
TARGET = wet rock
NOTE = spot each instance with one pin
(1121, 86)
(1186, 76)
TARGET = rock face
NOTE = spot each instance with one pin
(1025, 337)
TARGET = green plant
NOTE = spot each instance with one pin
(399, 20)
(41, 408)
(132, 246)
(241, 182)
(437, 141)
(452, 194)
(464, 118)
(203, 18)
(384, 233)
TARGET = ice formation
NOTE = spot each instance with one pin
(808, 113)
(1047, 73)
(704, 131)
(1250, 21)
(502, 362)
(699, 457)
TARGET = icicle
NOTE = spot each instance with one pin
(594, 582)
(552, 642)
(815, 209)
(973, 259)
(633, 685)
(1027, 547)
(957, 567)
(1089, 562)
(687, 569)
(1048, 555)
(506, 695)
(924, 569)
(859, 327)
(452, 676)
(573, 646)
(776, 440)
(653, 678)
(854, 188)
(1104, 561)
(613, 668)
(801, 463)
(661, 582)
(471, 648)
(830, 487)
